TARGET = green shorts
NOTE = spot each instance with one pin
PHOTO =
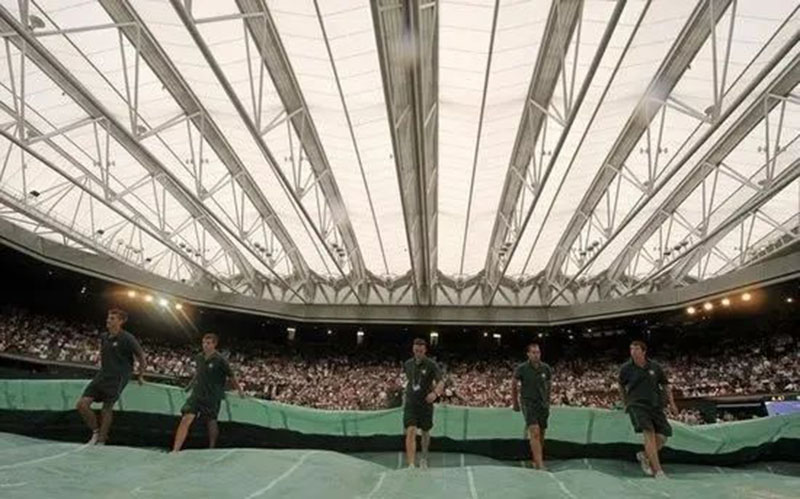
(105, 389)
(419, 415)
(646, 418)
(201, 407)
(535, 413)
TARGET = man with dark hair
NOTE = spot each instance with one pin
(423, 386)
(208, 389)
(117, 351)
(643, 386)
(536, 378)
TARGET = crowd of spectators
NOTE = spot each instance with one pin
(370, 380)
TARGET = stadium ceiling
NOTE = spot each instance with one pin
(414, 153)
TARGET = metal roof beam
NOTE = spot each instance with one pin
(698, 250)
(137, 33)
(138, 220)
(407, 36)
(274, 57)
(691, 39)
(50, 66)
(561, 23)
(782, 85)
(356, 279)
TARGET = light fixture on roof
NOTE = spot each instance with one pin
(691, 310)
(178, 306)
(131, 294)
(708, 306)
(789, 300)
(148, 298)
(726, 302)
(746, 296)
(163, 302)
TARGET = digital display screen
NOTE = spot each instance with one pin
(782, 407)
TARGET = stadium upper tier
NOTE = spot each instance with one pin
(402, 152)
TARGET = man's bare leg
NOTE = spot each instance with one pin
(535, 437)
(411, 445)
(106, 416)
(182, 431)
(426, 444)
(651, 450)
(213, 432)
(541, 444)
(660, 440)
(84, 408)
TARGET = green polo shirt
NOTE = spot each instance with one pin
(211, 378)
(116, 355)
(644, 386)
(423, 375)
(536, 381)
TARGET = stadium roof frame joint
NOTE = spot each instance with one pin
(713, 160)
(410, 74)
(256, 18)
(699, 27)
(31, 49)
(138, 220)
(193, 111)
(563, 22)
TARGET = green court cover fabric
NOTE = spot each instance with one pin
(35, 469)
(581, 426)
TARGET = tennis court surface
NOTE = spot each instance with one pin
(33, 468)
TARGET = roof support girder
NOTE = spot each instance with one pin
(691, 39)
(407, 36)
(49, 65)
(695, 253)
(138, 220)
(274, 58)
(358, 285)
(561, 23)
(782, 85)
(135, 30)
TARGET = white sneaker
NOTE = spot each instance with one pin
(423, 464)
(660, 475)
(411, 466)
(94, 439)
(644, 463)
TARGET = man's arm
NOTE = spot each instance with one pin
(138, 352)
(515, 392)
(234, 381)
(621, 385)
(191, 382)
(438, 388)
(236, 386)
(672, 405)
(668, 389)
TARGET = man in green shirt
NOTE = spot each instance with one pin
(118, 348)
(644, 388)
(423, 386)
(208, 389)
(536, 378)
